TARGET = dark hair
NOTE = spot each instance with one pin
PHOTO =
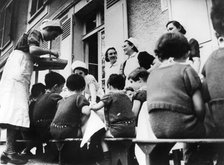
(117, 81)
(82, 69)
(195, 49)
(145, 59)
(171, 45)
(37, 89)
(53, 78)
(75, 82)
(177, 25)
(138, 73)
(129, 89)
(131, 44)
(217, 15)
(54, 28)
(106, 53)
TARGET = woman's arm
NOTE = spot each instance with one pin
(199, 105)
(38, 51)
(136, 107)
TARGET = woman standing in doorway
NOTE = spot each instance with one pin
(15, 83)
(130, 49)
(112, 65)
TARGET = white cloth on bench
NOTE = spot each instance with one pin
(94, 124)
(143, 132)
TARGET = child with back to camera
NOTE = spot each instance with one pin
(175, 104)
(37, 91)
(120, 120)
(46, 107)
(72, 110)
(213, 71)
(71, 116)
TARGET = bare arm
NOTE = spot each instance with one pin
(38, 51)
(86, 110)
(97, 106)
(92, 90)
(199, 105)
(136, 107)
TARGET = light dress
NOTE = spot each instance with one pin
(14, 88)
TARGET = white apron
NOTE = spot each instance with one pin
(14, 89)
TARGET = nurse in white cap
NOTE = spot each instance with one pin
(15, 83)
(130, 49)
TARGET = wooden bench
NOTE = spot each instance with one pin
(119, 148)
(147, 146)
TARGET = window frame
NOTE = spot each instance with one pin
(7, 11)
(38, 15)
(95, 31)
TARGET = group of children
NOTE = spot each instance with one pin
(57, 117)
(177, 102)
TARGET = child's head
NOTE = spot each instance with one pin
(75, 82)
(138, 77)
(217, 15)
(54, 81)
(129, 91)
(117, 81)
(172, 45)
(145, 59)
(37, 90)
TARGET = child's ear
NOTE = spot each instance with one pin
(140, 80)
(54, 88)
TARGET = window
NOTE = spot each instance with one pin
(36, 6)
(94, 44)
(5, 25)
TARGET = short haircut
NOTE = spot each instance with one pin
(145, 59)
(52, 79)
(82, 69)
(117, 81)
(37, 89)
(177, 25)
(75, 82)
(217, 15)
(171, 45)
(138, 73)
(106, 53)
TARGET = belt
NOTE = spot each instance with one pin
(124, 122)
(59, 126)
(43, 120)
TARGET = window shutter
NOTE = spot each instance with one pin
(66, 28)
(8, 20)
(66, 42)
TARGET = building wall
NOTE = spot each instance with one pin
(146, 22)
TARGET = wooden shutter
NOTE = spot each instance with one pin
(116, 28)
(66, 43)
